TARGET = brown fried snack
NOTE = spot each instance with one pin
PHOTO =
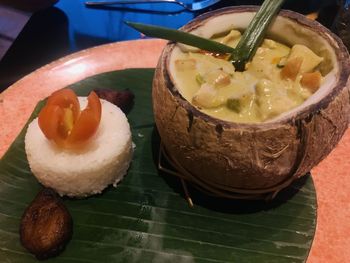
(124, 99)
(46, 225)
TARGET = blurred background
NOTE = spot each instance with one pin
(36, 32)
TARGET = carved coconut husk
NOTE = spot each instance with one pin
(256, 159)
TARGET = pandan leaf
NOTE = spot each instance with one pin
(181, 36)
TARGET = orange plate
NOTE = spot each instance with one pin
(331, 177)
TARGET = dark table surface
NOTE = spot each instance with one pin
(70, 26)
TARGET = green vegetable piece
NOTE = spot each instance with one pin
(200, 80)
(254, 34)
(234, 104)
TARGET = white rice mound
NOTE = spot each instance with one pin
(103, 161)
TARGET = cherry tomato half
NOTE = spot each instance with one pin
(62, 121)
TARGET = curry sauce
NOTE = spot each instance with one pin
(278, 79)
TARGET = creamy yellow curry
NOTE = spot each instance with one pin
(277, 79)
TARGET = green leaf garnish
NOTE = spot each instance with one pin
(246, 48)
(254, 34)
(181, 36)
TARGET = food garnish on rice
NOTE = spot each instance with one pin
(62, 121)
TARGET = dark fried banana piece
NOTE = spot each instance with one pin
(46, 225)
(123, 99)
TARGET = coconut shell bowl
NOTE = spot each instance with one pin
(254, 160)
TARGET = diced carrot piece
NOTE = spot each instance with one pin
(311, 81)
(275, 60)
(292, 68)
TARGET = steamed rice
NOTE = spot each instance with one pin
(103, 161)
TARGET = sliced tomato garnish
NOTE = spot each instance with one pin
(88, 121)
(65, 98)
(62, 121)
(49, 120)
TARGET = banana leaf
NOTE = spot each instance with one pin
(146, 218)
